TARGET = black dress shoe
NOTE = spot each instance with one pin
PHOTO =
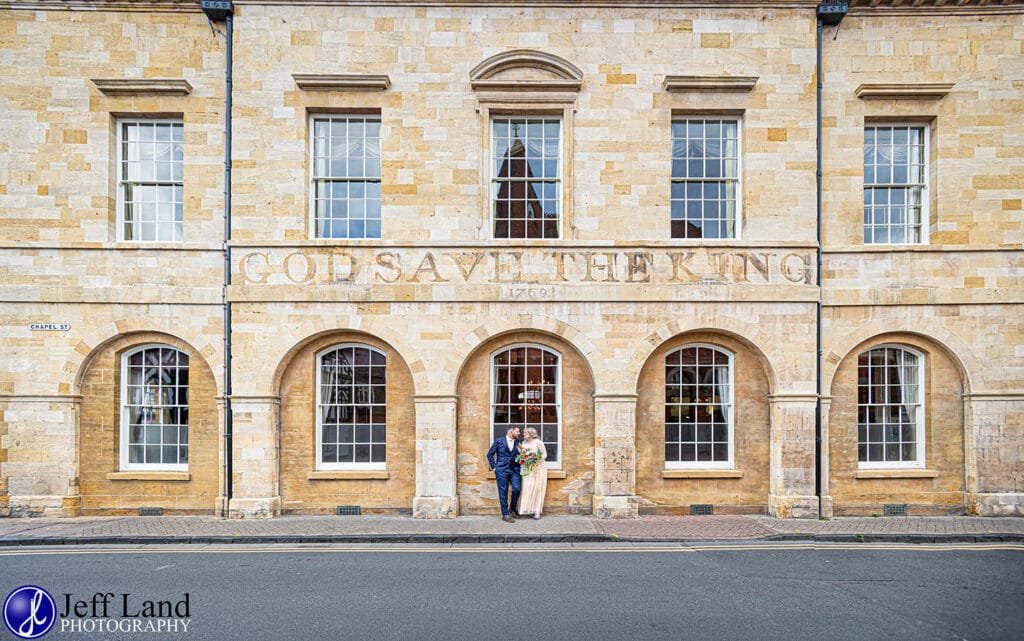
(508, 519)
(515, 514)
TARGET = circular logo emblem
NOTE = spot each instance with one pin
(29, 612)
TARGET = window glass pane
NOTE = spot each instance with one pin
(705, 172)
(525, 186)
(532, 400)
(151, 174)
(352, 413)
(889, 405)
(894, 175)
(155, 405)
(346, 177)
(698, 397)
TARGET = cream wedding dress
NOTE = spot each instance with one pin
(535, 484)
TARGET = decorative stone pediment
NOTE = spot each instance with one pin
(526, 70)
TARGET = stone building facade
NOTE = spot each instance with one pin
(596, 218)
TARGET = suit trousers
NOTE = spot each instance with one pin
(506, 477)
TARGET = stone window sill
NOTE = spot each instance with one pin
(552, 474)
(149, 476)
(701, 474)
(896, 474)
(347, 475)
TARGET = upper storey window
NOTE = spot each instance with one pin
(705, 178)
(895, 180)
(149, 191)
(346, 176)
(526, 184)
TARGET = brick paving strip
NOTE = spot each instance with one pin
(485, 529)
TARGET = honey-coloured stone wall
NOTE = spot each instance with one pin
(102, 492)
(942, 490)
(569, 490)
(745, 494)
(301, 491)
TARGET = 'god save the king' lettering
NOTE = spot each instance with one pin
(417, 266)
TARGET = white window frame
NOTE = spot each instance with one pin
(121, 180)
(493, 180)
(730, 463)
(919, 427)
(738, 224)
(553, 464)
(925, 222)
(311, 150)
(124, 465)
(319, 462)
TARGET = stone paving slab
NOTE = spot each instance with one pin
(488, 529)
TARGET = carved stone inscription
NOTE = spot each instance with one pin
(371, 266)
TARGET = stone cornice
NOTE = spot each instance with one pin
(933, 7)
(143, 86)
(906, 90)
(857, 7)
(341, 82)
(732, 84)
(134, 6)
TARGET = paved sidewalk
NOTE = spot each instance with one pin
(485, 529)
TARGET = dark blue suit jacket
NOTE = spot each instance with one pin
(500, 459)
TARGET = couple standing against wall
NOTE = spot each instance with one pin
(508, 457)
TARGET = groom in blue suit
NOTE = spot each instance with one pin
(502, 459)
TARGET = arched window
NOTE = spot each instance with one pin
(527, 392)
(351, 408)
(699, 408)
(154, 409)
(890, 407)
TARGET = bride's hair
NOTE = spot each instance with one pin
(531, 431)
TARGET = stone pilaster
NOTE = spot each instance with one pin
(255, 486)
(994, 453)
(39, 456)
(615, 456)
(826, 496)
(791, 490)
(435, 457)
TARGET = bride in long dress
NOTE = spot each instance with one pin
(535, 483)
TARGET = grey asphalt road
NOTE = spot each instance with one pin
(565, 593)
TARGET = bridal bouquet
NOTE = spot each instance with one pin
(527, 459)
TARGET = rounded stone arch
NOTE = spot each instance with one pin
(106, 487)
(950, 344)
(730, 328)
(571, 486)
(667, 484)
(90, 346)
(940, 485)
(310, 484)
(497, 327)
(317, 333)
(549, 64)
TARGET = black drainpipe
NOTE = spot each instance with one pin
(829, 13)
(217, 10)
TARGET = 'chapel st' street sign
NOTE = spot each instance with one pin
(49, 327)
